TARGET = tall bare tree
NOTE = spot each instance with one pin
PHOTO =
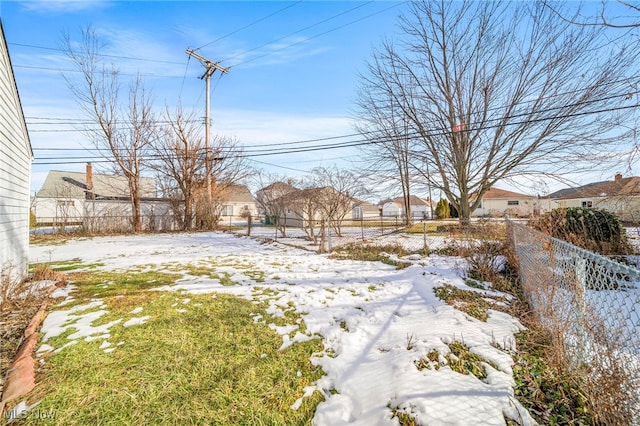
(125, 129)
(180, 156)
(493, 90)
(619, 14)
(388, 157)
(228, 167)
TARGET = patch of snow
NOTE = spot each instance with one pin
(136, 321)
(63, 291)
(45, 348)
(136, 310)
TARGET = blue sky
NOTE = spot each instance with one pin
(293, 74)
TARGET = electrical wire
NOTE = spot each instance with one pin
(240, 64)
(371, 141)
(248, 25)
(295, 32)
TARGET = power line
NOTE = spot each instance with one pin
(315, 36)
(295, 32)
(249, 25)
(98, 72)
(349, 144)
(98, 54)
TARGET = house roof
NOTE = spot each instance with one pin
(239, 194)
(365, 205)
(61, 184)
(618, 187)
(497, 193)
(414, 200)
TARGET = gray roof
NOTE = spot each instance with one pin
(59, 184)
(239, 194)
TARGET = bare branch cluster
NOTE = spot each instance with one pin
(478, 92)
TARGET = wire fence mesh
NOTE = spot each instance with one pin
(592, 304)
(327, 236)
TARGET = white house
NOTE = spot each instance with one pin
(237, 203)
(620, 196)
(496, 202)
(420, 208)
(98, 201)
(363, 210)
(15, 173)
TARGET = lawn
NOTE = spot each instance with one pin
(209, 328)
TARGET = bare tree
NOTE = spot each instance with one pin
(306, 204)
(180, 157)
(274, 199)
(389, 154)
(125, 130)
(335, 192)
(603, 15)
(493, 90)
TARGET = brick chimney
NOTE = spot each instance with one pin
(89, 177)
(618, 177)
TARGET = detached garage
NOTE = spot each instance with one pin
(15, 173)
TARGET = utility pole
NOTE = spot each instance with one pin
(211, 67)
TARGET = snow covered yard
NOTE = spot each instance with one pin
(377, 324)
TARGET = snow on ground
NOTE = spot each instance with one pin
(354, 234)
(375, 322)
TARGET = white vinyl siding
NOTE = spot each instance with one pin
(15, 165)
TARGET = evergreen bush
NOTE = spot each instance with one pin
(592, 229)
(442, 209)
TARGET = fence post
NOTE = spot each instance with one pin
(329, 234)
(580, 268)
(424, 235)
(362, 226)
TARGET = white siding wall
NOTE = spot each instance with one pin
(15, 173)
(498, 207)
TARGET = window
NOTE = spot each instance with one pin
(64, 203)
(357, 212)
(587, 204)
(479, 206)
(227, 210)
(513, 203)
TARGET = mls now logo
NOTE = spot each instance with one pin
(21, 411)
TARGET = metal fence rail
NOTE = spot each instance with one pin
(590, 301)
(325, 236)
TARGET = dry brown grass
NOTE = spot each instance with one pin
(580, 348)
(19, 301)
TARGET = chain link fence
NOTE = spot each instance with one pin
(106, 223)
(592, 305)
(327, 236)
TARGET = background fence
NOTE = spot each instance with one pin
(106, 223)
(591, 304)
(325, 236)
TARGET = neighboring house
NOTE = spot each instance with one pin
(620, 196)
(420, 208)
(237, 200)
(15, 173)
(273, 202)
(498, 202)
(363, 210)
(97, 201)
